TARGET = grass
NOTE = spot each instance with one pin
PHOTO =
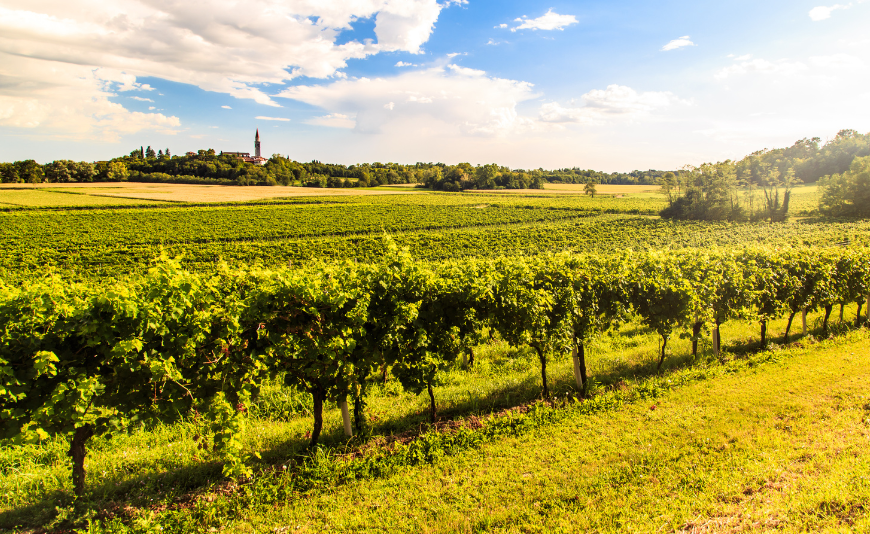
(767, 449)
(31, 197)
(148, 470)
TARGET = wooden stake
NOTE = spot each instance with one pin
(804, 319)
(345, 417)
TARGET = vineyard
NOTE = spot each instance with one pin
(330, 328)
(87, 244)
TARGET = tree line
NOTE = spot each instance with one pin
(80, 361)
(806, 161)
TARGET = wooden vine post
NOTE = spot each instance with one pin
(345, 418)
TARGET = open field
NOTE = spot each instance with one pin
(44, 197)
(197, 193)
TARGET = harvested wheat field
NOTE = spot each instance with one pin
(203, 193)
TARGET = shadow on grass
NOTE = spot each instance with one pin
(184, 483)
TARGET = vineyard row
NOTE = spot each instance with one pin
(78, 360)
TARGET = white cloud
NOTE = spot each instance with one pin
(602, 105)
(839, 61)
(500, 26)
(548, 21)
(824, 12)
(141, 99)
(262, 118)
(450, 100)
(64, 100)
(334, 120)
(678, 43)
(217, 45)
(226, 107)
(493, 42)
(783, 67)
(404, 64)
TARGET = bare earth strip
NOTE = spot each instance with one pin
(576, 189)
(203, 193)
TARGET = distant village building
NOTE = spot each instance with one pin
(256, 159)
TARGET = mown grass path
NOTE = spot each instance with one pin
(784, 447)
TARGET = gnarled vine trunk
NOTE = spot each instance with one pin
(858, 316)
(828, 310)
(763, 334)
(696, 331)
(543, 359)
(78, 451)
(788, 325)
(662, 357)
(317, 394)
(433, 414)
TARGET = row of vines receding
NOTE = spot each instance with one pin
(80, 361)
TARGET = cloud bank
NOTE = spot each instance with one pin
(60, 64)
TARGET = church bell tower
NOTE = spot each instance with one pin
(257, 144)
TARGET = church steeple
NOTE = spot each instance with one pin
(257, 144)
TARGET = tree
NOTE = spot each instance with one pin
(8, 173)
(668, 184)
(84, 172)
(29, 171)
(116, 171)
(149, 153)
(60, 171)
(709, 192)
(847, 194)
(589, 189)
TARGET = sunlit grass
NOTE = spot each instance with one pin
(166, 462)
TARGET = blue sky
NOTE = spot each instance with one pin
(612, 86)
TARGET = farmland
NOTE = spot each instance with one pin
(456, 326)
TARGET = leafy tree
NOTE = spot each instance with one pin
(116, 171)
(589, 189)
(8, 173)
(709, 193)
(847, 194)
(60, 171)
(668, 184)
(29, 171)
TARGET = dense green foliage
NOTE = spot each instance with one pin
(80, 360)
(809, 160)
(86, 244)
(806, 160)
(847, 194)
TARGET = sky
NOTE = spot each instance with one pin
(609, 85)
